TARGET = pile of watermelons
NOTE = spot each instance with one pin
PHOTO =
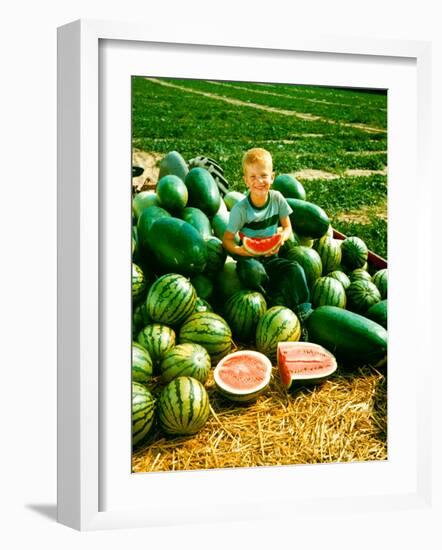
(191, 304)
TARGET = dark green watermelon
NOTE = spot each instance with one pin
(177, 246)
(203, 191)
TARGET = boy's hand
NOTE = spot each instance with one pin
(214, 169)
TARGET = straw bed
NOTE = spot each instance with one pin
(342, 420)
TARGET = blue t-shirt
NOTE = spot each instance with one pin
(255, 221)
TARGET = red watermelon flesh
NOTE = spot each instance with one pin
(304, 362)
(242, 375)
(259, 246)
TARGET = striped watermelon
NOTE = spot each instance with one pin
(138, 282)
(142, 367)
(309, 259)
(330, 252)
(183, 406)
(170, 299)
(157, 339)
(341, 277)
(185, 360)
(243, 311)
(354, 253)
(380, 279)
(328, 292)
(361, 295)
(210, 331)
(216, 256)
(278, 324)
(359, 273)
(143, 412)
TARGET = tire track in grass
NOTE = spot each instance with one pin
(286, 96)
(286, 112)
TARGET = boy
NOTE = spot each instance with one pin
(259, 215)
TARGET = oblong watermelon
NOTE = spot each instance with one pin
(308, 219)
(183, 406)
(173, 163)
(351, 337)
(198, 220)
(289, 186)
(203, 191)
(177, 246)
(172, 193)
(243, 375)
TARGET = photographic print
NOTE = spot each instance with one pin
(259, 274)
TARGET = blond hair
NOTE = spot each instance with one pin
(257, 154)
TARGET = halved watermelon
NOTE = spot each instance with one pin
(304, 363)
(243, 375)
(259, 246)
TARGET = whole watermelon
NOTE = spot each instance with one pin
(170, 299)
(203, 191)
(242, 312)
(177, 246)
(183, 406)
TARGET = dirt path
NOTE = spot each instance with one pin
(302, 116)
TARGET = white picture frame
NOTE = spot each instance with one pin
(85, 50)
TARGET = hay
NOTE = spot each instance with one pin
(342, 420)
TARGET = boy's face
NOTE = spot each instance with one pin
(258, 177)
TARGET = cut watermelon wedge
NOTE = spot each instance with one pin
(262, 245)
(304, 363)
(243, 375)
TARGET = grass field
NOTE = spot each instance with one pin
(333, 140)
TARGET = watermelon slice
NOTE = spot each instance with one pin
(243, 375)
(304, 362)
(260, 246)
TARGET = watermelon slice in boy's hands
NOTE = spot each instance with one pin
(261, 246)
